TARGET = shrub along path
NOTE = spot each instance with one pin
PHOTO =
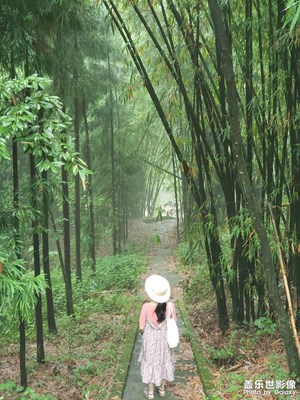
(187, 384)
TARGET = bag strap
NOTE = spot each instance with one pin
(171, 310)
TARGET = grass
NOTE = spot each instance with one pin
(122, 369)
(82, 358)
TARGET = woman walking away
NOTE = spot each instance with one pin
(157, 360)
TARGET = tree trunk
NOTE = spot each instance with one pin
(77, 194)
(176, 198)
(22, 337)
(46, 262)
(213, 252)
(61, 261)
(37, 265)
(67, 245)
(92, 248)
(249, 84)
(113, 166)
(23, 371)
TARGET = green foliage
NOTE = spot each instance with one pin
(9, 389)
(293, 14)
(189, 254)
(192, 263)
(19, 288)
(155, 238)
(242, 227)
(182, 251)
(34, 116)
(265, 325)
(119, 272)
(275, 366)
(91, 340)
(106, 291)
(186, 333)
(234, 386)
(4, 154)
(228, 354)
(192, 285)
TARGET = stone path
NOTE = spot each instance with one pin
(186, 371)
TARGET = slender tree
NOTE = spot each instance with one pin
(90, 200)
(112, 159)
(37, 264)
(46, 261)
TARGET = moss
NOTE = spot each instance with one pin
(124, 362)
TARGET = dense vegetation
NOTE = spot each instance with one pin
(103, 104)
(231, 71)
(81, 357)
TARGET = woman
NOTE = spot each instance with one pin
(157, 361)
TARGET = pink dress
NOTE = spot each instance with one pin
(156, 357)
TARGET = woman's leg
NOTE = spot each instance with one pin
(161, 389)
(162, 385)
(151, 389)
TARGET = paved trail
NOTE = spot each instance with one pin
(161, 262)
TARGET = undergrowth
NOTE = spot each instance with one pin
(249, 353)
(83, 353)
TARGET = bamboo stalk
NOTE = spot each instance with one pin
(286, 286)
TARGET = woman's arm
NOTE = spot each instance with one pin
(142, 320)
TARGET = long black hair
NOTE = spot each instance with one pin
(160, 311)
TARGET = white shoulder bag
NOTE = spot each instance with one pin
(172, 329)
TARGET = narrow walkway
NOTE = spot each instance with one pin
(186, 371)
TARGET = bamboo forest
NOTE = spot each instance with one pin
(140, 138)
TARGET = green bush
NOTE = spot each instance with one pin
(188, 254)
(119, 272)
(103, 304)
(265, 325)
(10, 390)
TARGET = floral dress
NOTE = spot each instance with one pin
(156, 357)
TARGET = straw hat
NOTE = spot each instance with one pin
(158, 288)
